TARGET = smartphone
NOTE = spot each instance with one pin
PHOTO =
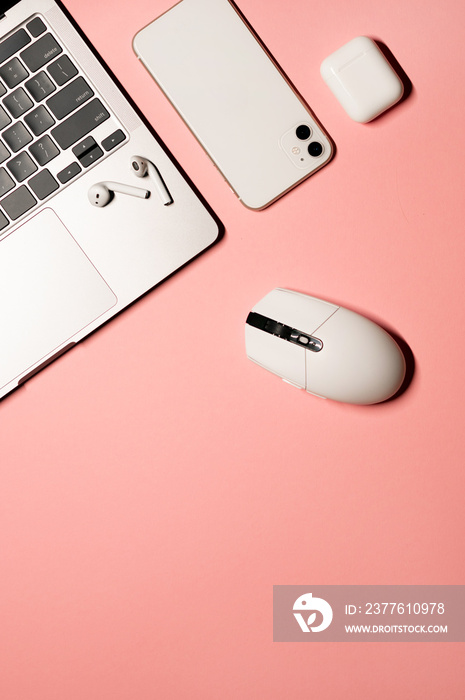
(236, 101)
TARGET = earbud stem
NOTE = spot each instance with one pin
(160, 186)
(128, 189)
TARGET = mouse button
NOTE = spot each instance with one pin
(360, 363)
(276, 355)
(294, 309)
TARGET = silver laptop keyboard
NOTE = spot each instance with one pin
(46, 108)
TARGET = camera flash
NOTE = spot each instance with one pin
(296, 150)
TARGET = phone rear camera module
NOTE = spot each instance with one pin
(315, 149)
(303, 132)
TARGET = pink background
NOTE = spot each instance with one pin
(155, 483)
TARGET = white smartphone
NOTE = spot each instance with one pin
(226, 87)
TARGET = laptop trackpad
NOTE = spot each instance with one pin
(49, 291)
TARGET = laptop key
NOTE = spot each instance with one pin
(21, 166)
(40, 53)
(70, 98)
(14, 43)
(3, 221)
(88, 158)
(16, 137)
(18, 103)
(2, 89)
(36, 27)
(80, 123)
(39, 120)
(6, 182)
(4, 118)
(4, 152)
(43, 184)
(13, 72)
(44, 150)
(87, 145)
(18, 202)
(68, 173)
(87, 152)
(40, 86)
(62, 70)
(113, 140)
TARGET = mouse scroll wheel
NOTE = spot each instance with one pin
(274, 327)
(280, 330)
(268, 325)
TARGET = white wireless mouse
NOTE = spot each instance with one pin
(330, 351)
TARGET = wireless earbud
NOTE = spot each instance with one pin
(142, 167)
(103, 192)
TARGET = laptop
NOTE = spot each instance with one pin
(67, 266)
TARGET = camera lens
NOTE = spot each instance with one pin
(303, 132)
(315, 149)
